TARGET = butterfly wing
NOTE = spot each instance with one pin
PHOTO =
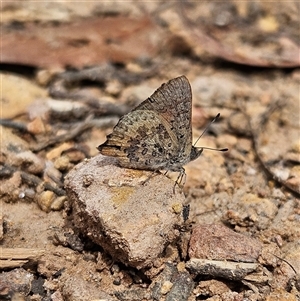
(156, 134)
(173, 102)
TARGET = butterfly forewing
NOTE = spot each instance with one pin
(173, 102)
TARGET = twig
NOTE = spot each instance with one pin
(16, 257)
(33, 180)
(14, 125)
(77, 130)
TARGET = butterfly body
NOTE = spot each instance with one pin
(157, 134)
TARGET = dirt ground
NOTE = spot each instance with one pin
(70, 70)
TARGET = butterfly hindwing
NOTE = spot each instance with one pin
(140, 141)
(157, 134)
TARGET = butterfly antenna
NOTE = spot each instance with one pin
(205, 130)
(216, 149)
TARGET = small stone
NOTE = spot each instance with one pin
(181, 266)
(182, 287)
(217, 242)
(134, 67)
(45, 200)
(15, 283)
(58, 203)
(27, 194)
(56, 296)
(169, 272)
(281, 294)
(114, 87)
(30, 162)
(268, 23)
(166, 287)
(75, 156)
(211, 288)
(18, 99)
(62, 163)
(116, 202)
(115, 269)
(177, 208)
(57, 151)
(117, 281)
(74, 288)
(67, 109)
(224, 269)
(44, 76)
(294, 179)
(52, 174)
(11, 144)
(10, 188)
(36, 126)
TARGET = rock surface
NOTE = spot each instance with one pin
(218, 242)
(131, 214)
(217, 251)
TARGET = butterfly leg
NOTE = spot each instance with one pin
(181, 176)
(154, 174)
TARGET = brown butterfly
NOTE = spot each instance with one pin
(157, 134)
